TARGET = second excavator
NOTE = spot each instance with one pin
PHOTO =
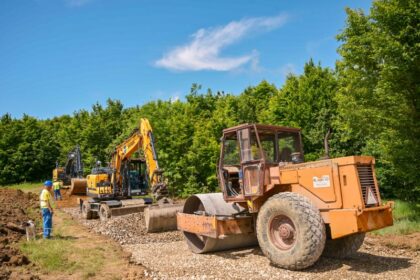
(72, 172)
(113, 189)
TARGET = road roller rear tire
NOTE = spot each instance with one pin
(290, 231)
(87, 213)
(344, 247)
(104, 212)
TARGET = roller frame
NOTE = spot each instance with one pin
(214, 226)
(221, 226)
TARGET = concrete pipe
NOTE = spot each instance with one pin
(161, 217)
(214, 204)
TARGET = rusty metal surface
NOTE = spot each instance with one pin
(348, 221)
(213, 227)
(197, 224)
(161, 217)
(375, 219)
(261, 126)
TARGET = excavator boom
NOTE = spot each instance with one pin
(112, 192)
(140, 139)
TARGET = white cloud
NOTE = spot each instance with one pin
(77, 3)
(288, 69)
(203, 52)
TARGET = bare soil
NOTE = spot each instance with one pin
(16, 207)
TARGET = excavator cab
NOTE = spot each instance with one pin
(137, 177)
(248, 151)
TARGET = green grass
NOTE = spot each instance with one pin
(27, 187)
(406, 219)
(61, 254)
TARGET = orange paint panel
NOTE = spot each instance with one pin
(350, 187)
(343, 222)
(274, 175)
(288, 177)
(348, 221)
(212, 227)
(371, 220)
(319, 181)
(201, 225)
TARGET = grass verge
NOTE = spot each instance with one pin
(27, 187)
(406, 219)
(66, 253)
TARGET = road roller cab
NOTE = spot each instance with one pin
(295, 210)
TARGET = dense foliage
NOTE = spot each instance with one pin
(370, 103)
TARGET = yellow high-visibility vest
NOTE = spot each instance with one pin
(44, 197)
(57, 185)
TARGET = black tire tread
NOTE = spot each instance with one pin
(311, 223)
(344, 247)
(86, 213)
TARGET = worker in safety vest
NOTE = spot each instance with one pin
(46, 208)
(57, 186)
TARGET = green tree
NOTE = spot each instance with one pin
(379, 90)
(306, 101)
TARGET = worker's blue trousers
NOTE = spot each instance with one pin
(47, 222)
(57, 194)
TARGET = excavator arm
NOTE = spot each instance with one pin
(140, 139)
(155, 174)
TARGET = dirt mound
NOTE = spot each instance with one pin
(127, 229)
(69, 200)
(16, 208)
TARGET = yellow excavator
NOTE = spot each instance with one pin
(72, 172)
(112, 189)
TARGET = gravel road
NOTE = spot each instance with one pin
(174, 261)
(166, 256)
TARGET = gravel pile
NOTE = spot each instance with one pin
(127, 229)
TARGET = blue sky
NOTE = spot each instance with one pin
(59, 56)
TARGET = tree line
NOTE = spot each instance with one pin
(370, 102)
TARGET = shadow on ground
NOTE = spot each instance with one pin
(360, 262)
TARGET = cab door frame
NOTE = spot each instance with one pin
(253, 170)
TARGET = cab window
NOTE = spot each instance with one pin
(268, 145)
(249, 145)
(231, 151)
(288, 144)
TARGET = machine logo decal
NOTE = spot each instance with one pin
(322, 182)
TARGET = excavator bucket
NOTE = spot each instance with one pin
(78, 186)
(161, 217)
